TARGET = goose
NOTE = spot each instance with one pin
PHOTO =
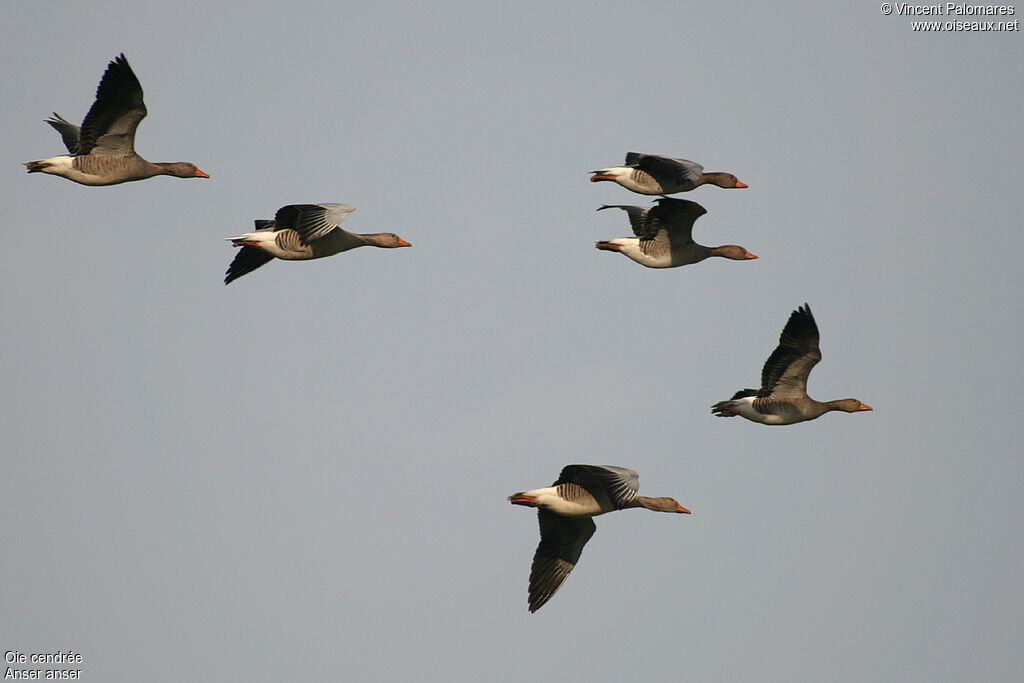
(664, 236)
(300, 232)
(564, 511)
(782, 398)
(653, 174)
(102, 151)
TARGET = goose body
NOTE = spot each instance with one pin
(564, 512)
(102, 150)
(301, 232)
(782, 398)
(664, 236)
(653, 174)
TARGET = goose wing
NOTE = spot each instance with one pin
(785, 372)
(561, 543)
(69, 132)
(312, 221)
(637, 217)
(613, 487)
(246, 260)
(682, 171)
(676, 217)
(109, 127)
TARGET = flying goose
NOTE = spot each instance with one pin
(664, 236)
(652, 174)
(102, 151)
(564, 511)
(300, 232)
(782, 398)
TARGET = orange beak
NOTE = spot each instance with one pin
(403, 243)
(864, 406)
(200, 174)
(739, 184)
(680, 508)
(749, 256)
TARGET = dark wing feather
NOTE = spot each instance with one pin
(109, 127)
(785, 372)
(246, 260)
(561, 543)
(743, 393)
(69, 132)
(613, 487)
(676, 216)
(682, 171)
(312, 221)
(637, 215)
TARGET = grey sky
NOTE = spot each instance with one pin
(303, 475)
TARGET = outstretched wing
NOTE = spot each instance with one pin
(109, 127)
(312, 221)
(676, 216)
(69, 132)
(561, 543)
(246, 260)
(637, 217)
(613, 487)
(785, 372)
(682, 171)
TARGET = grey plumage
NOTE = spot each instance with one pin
(671, 220)
(301, 232)
(613, 487)
(591, 490)
(782, 398)
(312, 221)
(102, 150)
(69, 132)
(109, 127)
(652, 175)
(677, 175)
(561, 544)
(664, 235)
(785, 372)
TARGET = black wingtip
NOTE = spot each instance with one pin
(682, 205)
(804, 310)
(743, 393)
(246, 260)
